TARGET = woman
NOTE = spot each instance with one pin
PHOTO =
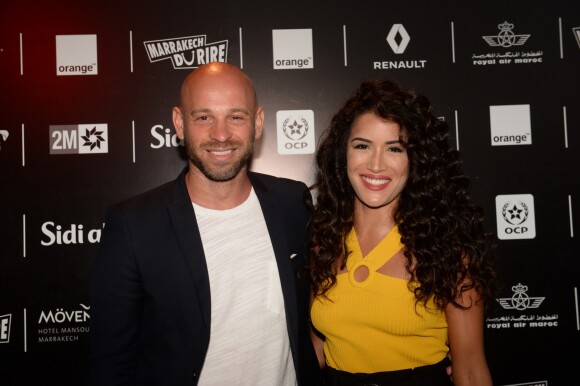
(401, 263)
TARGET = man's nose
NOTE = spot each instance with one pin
(220, 131)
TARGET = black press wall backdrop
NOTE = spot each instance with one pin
(86, 91)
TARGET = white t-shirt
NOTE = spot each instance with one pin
(249, 342)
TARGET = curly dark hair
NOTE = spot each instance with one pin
(439, 225)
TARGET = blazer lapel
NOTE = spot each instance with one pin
(185, 226)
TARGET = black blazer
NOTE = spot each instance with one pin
(150, 295)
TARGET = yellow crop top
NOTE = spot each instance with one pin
(375, 325)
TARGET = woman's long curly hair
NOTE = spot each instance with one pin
(443, 232)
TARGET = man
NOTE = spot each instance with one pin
(197, 281)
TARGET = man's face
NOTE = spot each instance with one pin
(219, 122)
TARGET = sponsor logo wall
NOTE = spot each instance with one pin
(86, 122)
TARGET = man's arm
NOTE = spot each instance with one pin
(116, 306)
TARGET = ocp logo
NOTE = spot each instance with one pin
(5, 328)
(295, 131)
(515, 216)
(79, 139)
(398, 30)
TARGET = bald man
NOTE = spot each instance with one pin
(198, 281)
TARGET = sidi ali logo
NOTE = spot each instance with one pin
(57, 234)
(164, 137)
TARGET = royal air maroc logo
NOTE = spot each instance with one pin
(187, 52)
(506, 38)
(519, 312)
(520, 300)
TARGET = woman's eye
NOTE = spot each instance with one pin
(396, 149)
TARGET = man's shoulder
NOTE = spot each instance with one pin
(288, 194)
(275, 182)
(154, 197)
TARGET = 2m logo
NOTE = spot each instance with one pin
(79, 139)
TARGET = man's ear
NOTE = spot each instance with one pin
(178, 122)
(259, 122)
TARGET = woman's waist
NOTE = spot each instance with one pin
(386, 353)
(431, 374)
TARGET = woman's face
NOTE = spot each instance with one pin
(377, 162)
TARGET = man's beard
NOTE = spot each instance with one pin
(224, 171)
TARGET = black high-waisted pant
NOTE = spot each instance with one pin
(431, 375)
